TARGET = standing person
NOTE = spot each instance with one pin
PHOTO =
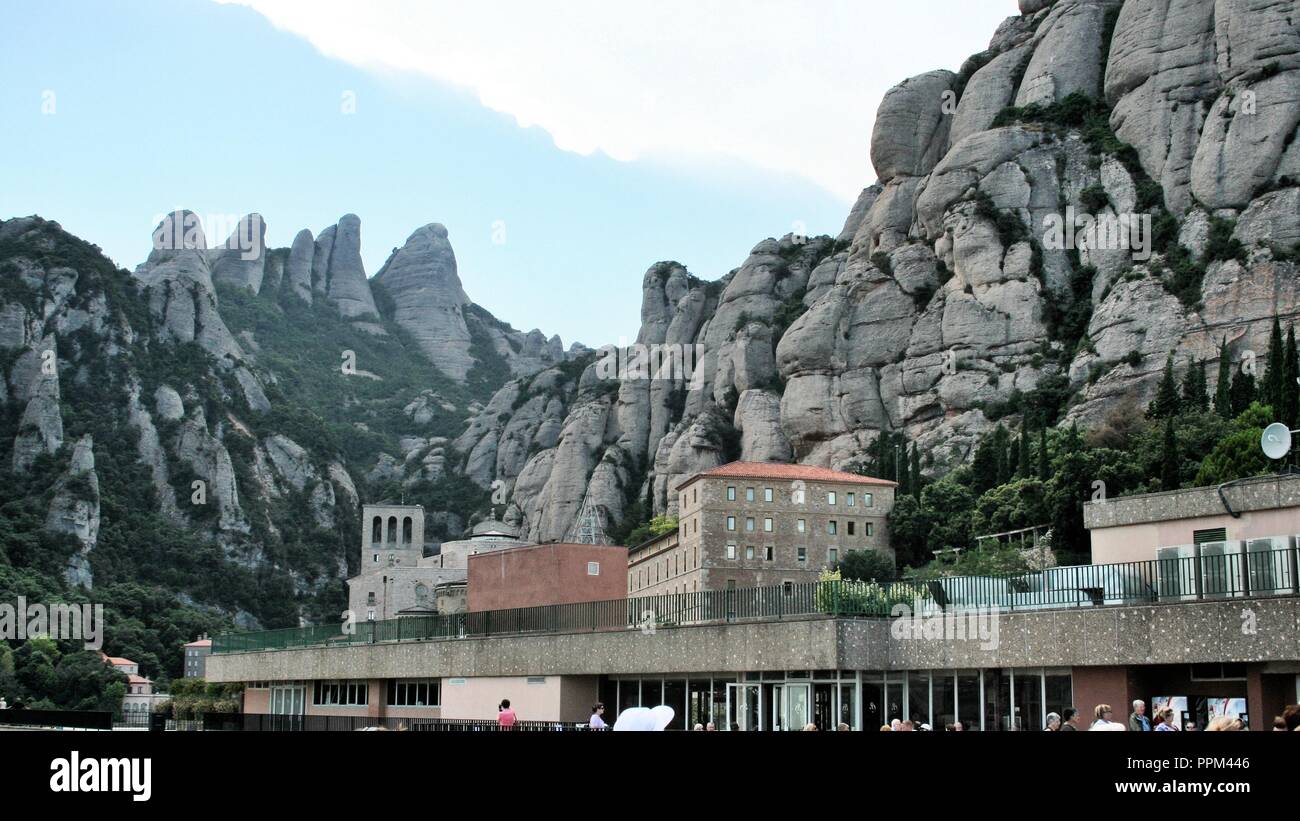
(1102, 722)
(1053, 723)
(1137, 720)
(1165, 721)
(597, 723)
(506, 717)
(1069, 721)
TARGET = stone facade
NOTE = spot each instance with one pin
(756, 525)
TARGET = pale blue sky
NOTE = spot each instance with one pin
(727, 139)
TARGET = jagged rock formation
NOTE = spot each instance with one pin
(75, 510)
(945, 300)
(954, 296)
(428, 299)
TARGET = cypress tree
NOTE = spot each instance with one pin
(916, 472)
(1044, 470)
(1289, 413)
(1242, 392)
(1222, 388)
(1022, 463)
(1271, 389)
(984, 467)
(1166, 403)
(1000, 444)
(1194, 388)
(904, 476)
(1169, 461)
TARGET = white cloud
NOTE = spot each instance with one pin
(787, 85)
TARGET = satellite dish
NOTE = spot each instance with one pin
(1276, 441)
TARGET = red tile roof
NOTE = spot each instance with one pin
(132, 678)
(117, 662)
(200, 643)
(788, 473)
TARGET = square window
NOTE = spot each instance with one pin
(767, 494)
(731, 494)
(767, 525)
(787, 588)
(749, 552)
(731, 551)
(593, 568)
(731, 523)
(749, 494)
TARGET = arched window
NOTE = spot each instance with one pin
(377, 531)
(407, 527)
(392, 529)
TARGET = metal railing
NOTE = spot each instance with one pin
(262, 722)
(1155, 581)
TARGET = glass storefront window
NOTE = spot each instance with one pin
(997, 700)
(968, 700)
(675, 696)
(1029, 699)
(873, 705)
(918, 698)
(1060, 691)
(945, 700)
(848, 707)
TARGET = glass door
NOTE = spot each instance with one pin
(795, 706)
(744, 708)
(288, 705)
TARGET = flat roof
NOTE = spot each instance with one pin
(1275, 492)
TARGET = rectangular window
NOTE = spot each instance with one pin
(767, 494)
(799, 525)
(803, 554)
(849, 499)
(731, 551)
(749, 552)
(731, 523)
(869, 528)
(831, 527)
(767, 525)
(695, 495)
(731, 494)
(866, 500)
(830, 498)
(341, 694)
(787, 588)
(695, 525)
(420, 692)
(768, 555)
(833, 556)
(749, 494)
(850, 528)
(749, 524)
(593, 568)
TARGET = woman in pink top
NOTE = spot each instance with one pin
(505, 716)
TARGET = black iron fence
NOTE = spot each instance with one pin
(57, 719)
(261, 722)
(1210, 574)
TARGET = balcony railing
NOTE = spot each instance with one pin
(1199, 577)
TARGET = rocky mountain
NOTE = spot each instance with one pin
(236, 403)
(950, 300)
(1108, 185)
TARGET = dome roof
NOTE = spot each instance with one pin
(493, 528)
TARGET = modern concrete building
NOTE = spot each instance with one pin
(544, 574)
(196, 657)
(755, 524)
(1212, 628)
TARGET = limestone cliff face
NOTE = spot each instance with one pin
(941, 299)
